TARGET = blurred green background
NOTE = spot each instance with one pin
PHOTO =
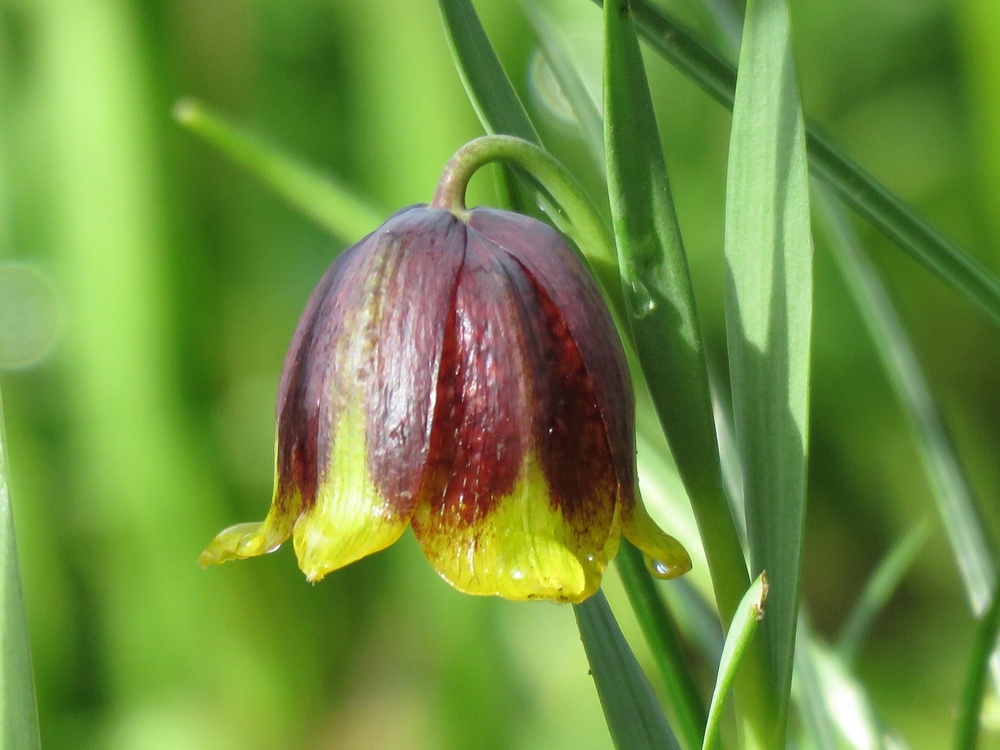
(175, 281)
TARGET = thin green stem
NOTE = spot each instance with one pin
(583, 222)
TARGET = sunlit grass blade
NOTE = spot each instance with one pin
(684, 705)
(318, 196)
(19, 712)
(489, 89)
(953, 495)
(667, 335)
(879, 589)
(633, 714)
(749, 613)
(967, 729)
(660, 302)
(768, 248)
(848, 180)
(834, 708)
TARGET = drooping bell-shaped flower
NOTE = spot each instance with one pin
(462, 376)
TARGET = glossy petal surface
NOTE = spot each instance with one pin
(521, 493)
(468, 379)
(356, 397)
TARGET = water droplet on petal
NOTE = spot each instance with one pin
(642, 303)
(663, 569)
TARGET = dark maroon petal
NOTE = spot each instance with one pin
(576, 300)
(364, 296)
(417, 304)
(519, 387)
(481, 422)
(303, 378)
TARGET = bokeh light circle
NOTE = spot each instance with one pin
(30, 315)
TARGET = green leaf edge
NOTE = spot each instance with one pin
(20, 727)
(769, 318)
(633, 714)
(749, 614)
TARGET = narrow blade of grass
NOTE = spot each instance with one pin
(684, 706)
(953, 495)
(319, 197)
(834, 707)
(768, 248)
(633, 714)
(489, 89)
(17, 681)
(667, 335)
(660, 302)
(741, 631)
(848, 180)
(967, 730)
(879, 589)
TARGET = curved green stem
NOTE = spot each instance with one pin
(583, 223)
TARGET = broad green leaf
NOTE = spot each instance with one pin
(879, 589)
(319, 197)
(18, 713)
(967, 731)
(741, 631)
(768, 248)
(634, 717)
(953, 495)
(850, 182)
(683, 702)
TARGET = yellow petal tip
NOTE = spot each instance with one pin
(665, 557)
(238, 543)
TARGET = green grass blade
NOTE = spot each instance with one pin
(660, 302)
(489, 89)
(768, 250)
(967, 730)
(634, 717)
(834, 708)
(17, 681)
(741, 631)
(848, 180)
(319, 197)
(953, 495)
(666, 332)
(684, 705)
(879, 589)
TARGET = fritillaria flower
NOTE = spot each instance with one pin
(462, 376)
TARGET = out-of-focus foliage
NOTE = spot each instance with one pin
(178, 280)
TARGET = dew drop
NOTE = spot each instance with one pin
(643, 303)
(662, 569)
